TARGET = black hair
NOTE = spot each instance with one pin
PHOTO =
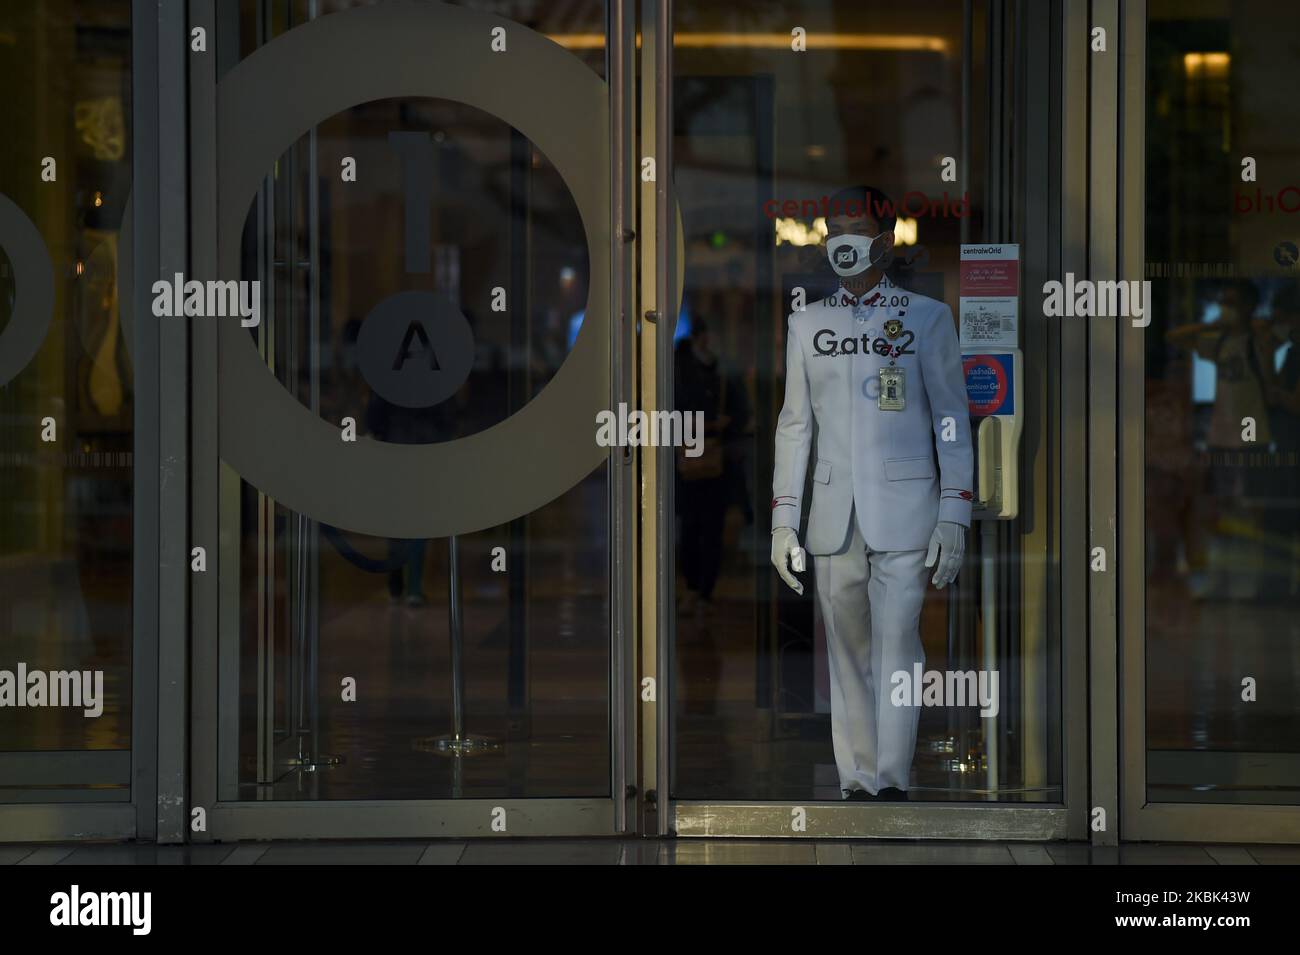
(1286, 300)
(869, 201)
(1248, 292)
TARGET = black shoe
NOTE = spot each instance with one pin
(859, 795)
(892, 794)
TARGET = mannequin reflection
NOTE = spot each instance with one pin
(880, 516)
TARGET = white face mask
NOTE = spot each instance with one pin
(851, 254)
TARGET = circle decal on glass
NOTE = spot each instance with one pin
(33, 305)
(274, 96)
(415, 349)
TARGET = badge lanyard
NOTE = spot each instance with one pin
(892, 379)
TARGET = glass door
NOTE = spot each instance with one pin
(68, 415)
(791, 129)
(411, 620)
(1210, 631)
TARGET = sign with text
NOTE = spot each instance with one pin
(990, 384)
(990, 295)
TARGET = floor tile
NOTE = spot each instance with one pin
(834, 853)
(442, 853)
(1030, 854)
(48, 855)
(728, 852)
(1275, 855)
(1081, 854)
(634, 851)
(543, 852)
(892, 853)
(1231, 855)
(344, 853)
(247, 854)
(147, 855)
(1164, 855)
(641, 852)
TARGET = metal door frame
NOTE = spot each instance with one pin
(232, 819)
(154, 766)
(1120, 484)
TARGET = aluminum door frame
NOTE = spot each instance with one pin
(446, 818)
(1055, 216)
(1125, 378)
(154, 766)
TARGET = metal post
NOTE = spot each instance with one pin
(456, 624)
(989, 600)
(458, 743)
(306, 532)
(667, 306)
(620, 16)
(309, 531)
(955, 745)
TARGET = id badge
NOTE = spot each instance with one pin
(891, 389)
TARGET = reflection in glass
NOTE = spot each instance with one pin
(760, 137)
(1222, 411)
(343, 645)
(66, 419)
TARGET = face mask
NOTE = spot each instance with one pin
(850, 254)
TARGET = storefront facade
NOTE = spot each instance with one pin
(327, 599)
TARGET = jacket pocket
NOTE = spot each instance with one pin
(909, 469)
(822, 473)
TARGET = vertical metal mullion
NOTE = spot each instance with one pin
(301, 714)
(979, 593)
(994, 160)
(287, 329)
(666, 306)
(519, 390)
(314, 356)
(146, 155)
(956, 602)
(266, 536)
(173, 432)
(1073, 409)
(1035, 534)
(619, 47)
(967, 68)
(205, 514)
(1103, 663)
(1132, 458)
(1007, 554)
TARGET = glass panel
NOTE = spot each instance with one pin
(66, 397)
(1222, 407)
(347, 666)
(765, 135)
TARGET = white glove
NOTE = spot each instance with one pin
(947, 543)
(785, 544)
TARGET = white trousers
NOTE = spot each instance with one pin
(871, 605)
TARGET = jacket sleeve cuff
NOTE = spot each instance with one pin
(785, 513)
(955, 506)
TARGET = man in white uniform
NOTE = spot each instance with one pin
(878, 369)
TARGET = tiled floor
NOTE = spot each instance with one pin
(648, 852)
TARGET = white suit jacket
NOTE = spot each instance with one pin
(884, 462)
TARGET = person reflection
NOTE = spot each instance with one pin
(1284, 396)
(1242, 356)
(393, 423)
(1239, 421)
(703, 384)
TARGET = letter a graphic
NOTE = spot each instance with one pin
(415, 330)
